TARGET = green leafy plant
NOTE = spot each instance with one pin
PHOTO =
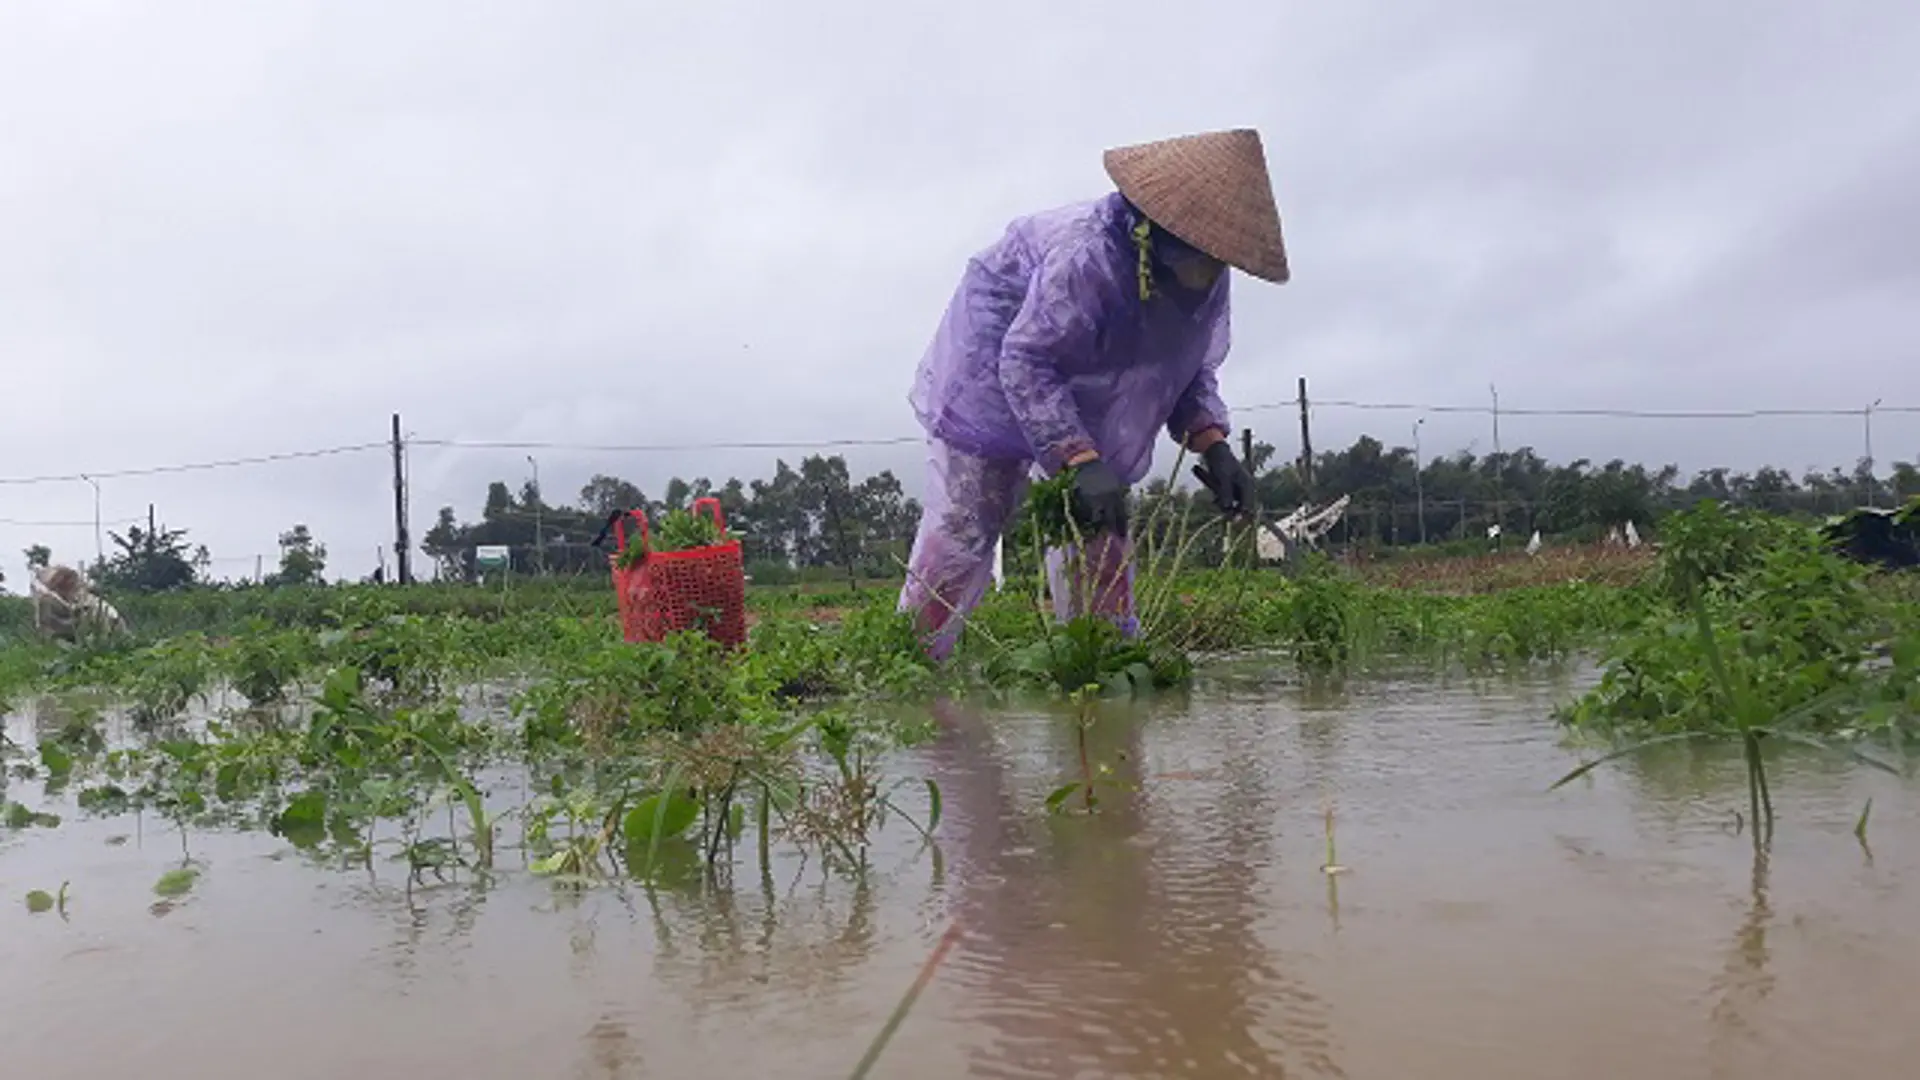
(676, 530)
(1756, 633)
(176, 882)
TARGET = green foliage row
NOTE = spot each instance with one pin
(1811, 633)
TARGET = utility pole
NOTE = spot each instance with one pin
(1306, 444)
(400, 544)
(1499, 476)
(539, 520)
(1867, 413)
(1419, 486)
(99, 546)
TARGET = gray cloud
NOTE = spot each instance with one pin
(252, 228)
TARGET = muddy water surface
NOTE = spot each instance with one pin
(1619, 927)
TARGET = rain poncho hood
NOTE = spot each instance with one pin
(1048, 349)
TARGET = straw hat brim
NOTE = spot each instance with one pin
(1212, 191)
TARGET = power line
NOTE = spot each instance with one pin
(1623, 414)
(906, 440)
(70, 524)
(196, 466)
(661, 448)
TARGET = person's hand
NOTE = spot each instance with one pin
(1230, 482)
(1100, 497)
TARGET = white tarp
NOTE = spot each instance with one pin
(1308, 525)
(64, 607)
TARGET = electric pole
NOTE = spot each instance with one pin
(1306, 445)
(1419, 486)
(99, 546)
(1868, 415)
(400, 544)
(539, 521)
(1499, 475)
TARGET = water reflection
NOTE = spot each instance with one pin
(1115, 944)
(1616, 926)
(1746, 981)
(611, 1051)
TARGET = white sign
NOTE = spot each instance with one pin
(491, 556)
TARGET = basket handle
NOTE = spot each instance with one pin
(620, 531)
(713, 505)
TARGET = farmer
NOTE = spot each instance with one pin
(1069, 345)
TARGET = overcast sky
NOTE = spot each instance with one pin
(240, 228)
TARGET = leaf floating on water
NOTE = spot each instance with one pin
(651, 818)
(933, 805)
(102, 799)
(303, 822)
(176, 882)
(39, 900)
(1061, 794)
(19, 817)
(58, 762)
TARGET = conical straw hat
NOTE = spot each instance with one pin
(1210, 190)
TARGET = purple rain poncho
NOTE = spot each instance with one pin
(1047, 350)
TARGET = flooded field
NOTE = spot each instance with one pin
(1621, 926)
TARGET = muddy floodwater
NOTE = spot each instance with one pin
(1620, 927)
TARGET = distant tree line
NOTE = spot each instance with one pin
(157, 559)
(817, 521)
(813, 518)
(1461, 495)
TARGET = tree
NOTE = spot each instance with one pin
(303, 560)
(150, 561)
(604, 496)
(442, 544)
(499, 501)
(39, 557)
(1906, 480)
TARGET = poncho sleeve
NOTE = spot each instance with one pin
(1055, 333)
(1199, 406)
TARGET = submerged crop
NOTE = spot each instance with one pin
(1755, 632)
(358, 727)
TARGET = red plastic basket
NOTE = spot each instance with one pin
(670, 591)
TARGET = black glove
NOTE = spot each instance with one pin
(1099, 498)
(1230, 482)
